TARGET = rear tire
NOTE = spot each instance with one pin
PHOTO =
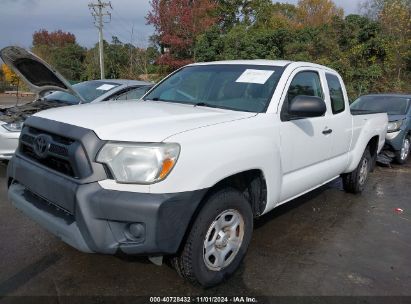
(224, 225)
(355, 181)
(401, 156)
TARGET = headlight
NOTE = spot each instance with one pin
(14, 126)
(139, 163)
(394, 126)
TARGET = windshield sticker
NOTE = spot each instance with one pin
(105, 87)
(255, 76)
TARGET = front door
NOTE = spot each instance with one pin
(305, 143)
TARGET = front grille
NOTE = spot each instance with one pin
(57, 157)
(55, 163)
(59, 150)
(27, 139)
(57, 138)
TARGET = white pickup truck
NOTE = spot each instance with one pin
(185, 171)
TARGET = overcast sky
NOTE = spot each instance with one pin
(20, 18)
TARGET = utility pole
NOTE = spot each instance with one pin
(98, 11)
(131, 52)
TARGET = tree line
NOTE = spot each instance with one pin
(371, 50)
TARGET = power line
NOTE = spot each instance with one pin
(115, 33)
(123, 21)
(99, 12)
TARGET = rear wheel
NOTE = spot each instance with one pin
(354, 182)
(218, 240)
(401, 156)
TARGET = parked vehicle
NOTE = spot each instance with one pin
(398, 108)
(184, 172)
(135, 94)
(30, 68)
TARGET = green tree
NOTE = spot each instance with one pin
(60, 50)
(121, 61)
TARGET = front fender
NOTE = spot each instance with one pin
(211, 154)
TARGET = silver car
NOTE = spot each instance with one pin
(35, 72)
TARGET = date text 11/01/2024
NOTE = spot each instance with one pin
(204, 299)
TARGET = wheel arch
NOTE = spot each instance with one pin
(372, 143)
(373, 148)
(251, 183)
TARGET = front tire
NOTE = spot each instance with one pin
(401, 156)
(218, 240)
(355, 181)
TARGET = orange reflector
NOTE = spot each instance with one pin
(167, 166)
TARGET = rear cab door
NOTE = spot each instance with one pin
(339, 121)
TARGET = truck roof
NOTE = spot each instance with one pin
(280, 63)
(251, 62)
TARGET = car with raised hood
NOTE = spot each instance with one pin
(184, 172)
(41, 78)
(398, 108)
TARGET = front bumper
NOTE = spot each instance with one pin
(93, 219)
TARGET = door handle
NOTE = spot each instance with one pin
(327, 131)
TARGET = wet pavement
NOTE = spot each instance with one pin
(325, 243)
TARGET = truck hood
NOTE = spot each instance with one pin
(140, 121)
(35, 72)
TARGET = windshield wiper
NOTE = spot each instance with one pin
(204, 104)
(198, 104)
(166, 100)
(157, 99)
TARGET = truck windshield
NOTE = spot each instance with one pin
(228, 86)
(392, 105)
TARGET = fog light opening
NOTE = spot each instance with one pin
(135, 231)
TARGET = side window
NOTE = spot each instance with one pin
(305, 83)
(135, 93)
(116, 95)
(336, 93)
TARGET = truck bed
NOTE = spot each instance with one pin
(363, 112)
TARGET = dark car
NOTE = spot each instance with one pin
(398, 108)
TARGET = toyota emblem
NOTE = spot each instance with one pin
(41, 145)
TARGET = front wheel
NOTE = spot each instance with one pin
(354, 182)
(218, 239)
(401, 156)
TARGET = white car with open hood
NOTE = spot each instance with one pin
(41, 78)
(184, 172)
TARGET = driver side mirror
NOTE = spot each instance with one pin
(303, 106)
